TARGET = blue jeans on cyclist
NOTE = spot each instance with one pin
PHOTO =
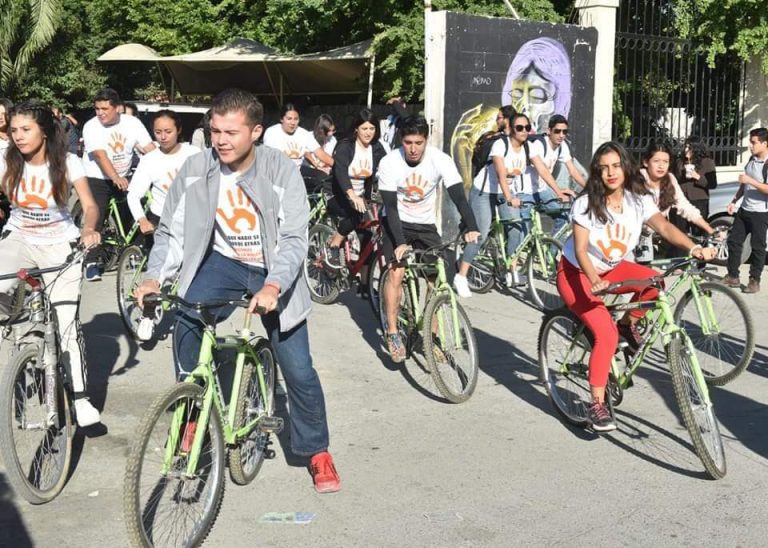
(222, 278)
(554, 210)
(519, 231)
(483, 205)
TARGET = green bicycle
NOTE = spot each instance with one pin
(539, 253)
(174, 478)
(564, 348)
(441, 330)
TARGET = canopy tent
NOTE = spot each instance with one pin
(251, 65)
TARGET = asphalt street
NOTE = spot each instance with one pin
(498, 470)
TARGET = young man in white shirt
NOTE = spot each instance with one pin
(234, 222)
(752, 216)
(110, 140)
(408, 180)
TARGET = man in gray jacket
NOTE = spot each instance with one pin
(234, 222)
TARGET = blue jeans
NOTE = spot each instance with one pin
(222, 278)
(519, 231)
(482, 205)
(559, 216)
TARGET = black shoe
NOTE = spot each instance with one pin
(629, 333)
(364, 291)
(333, 257)
(600, 418)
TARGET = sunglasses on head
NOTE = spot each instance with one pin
(559, 131)
(526, 127)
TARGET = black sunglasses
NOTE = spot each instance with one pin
(559, 131)
(526, 127)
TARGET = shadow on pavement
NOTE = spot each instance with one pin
(13, 532)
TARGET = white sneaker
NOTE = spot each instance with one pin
(85, 413)
(145, 329)
(461, 286)
(514, 279)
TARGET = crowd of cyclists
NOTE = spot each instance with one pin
(232, 218)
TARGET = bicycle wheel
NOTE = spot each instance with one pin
(698, 415)
(163, 505)
(480, 276)
(246, 458)
(542, 274)
(405, 320)
(36, 447)
(320, 276)
(129, 270)
(450, 348)
(376, 266)
(111, 243)
(564, 349)
(725, 342)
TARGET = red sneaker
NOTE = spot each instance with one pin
(324, 473)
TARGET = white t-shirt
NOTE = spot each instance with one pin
(361, 167)
(237, 234)
(156, 171)
(34, 212)
(293, 145)
(118, 141)
(416, 186)
(550, 156)
(328, 148)
(4, 144)
(518, 174)
(614, 241)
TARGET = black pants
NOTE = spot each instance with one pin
(703, 206)
(102, 191)
(756, 225)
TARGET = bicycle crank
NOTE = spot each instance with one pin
(271, 425)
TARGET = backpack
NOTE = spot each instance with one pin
(482, 150)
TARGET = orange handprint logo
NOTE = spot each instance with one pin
(171, 175)
(292, 151)
(34, 194)
(615, 247)
(242, 210)
(415, 187)
(118, 142)
(363, 170)
(516, 167)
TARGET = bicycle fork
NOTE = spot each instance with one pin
(706, 312)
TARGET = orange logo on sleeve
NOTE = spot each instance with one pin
(363, 170)
(614, 247)
(34, 194)
(415, 187)
(117, 143)
(243, 210)
(292, 150)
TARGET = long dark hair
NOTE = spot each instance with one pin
(666, 188)
(56, 146)
(363, 116)
(595, 189)
(322, 124)
(698, 150)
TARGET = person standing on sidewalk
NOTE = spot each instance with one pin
(234, 222)
(752, 216)
(110, 140)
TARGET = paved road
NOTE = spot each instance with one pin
(498, 470)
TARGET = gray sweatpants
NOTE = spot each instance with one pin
(62, 288)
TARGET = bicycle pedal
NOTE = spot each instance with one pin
(271, 425)
(269, 453)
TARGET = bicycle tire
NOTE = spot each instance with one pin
(698, 417)
(567, 385)
(111, 244)
(17, 304)
(376, 266)
(480, 276)
(323, 287)
(146, 445)
(132, 261)
(542, 278)
(454, 382)
(51, 454)
(247, 457)
(405, 319)
(725, 355)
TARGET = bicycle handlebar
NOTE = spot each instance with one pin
(651, 281)
(29, 275)
(155, 299)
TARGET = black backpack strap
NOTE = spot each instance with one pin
(765, 172)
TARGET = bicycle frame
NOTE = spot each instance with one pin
(205, 374)
(114, 211)
(531, 239)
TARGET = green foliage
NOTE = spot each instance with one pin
(720, 26)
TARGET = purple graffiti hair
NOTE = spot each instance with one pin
(549, 58)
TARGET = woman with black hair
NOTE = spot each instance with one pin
(37, 173)
(697, 175)
(354, 172)
(316, 173)
(295, 141)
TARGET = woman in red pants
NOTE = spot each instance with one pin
(607, 222)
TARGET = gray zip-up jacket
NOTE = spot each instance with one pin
(185, 231)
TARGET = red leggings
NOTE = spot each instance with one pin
(576, 291)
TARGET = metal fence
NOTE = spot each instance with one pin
(664, 89)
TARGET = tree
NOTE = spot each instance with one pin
(26, 28)
(718, 27)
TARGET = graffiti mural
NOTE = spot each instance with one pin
(541, 69)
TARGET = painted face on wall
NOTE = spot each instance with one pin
(535, 96)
